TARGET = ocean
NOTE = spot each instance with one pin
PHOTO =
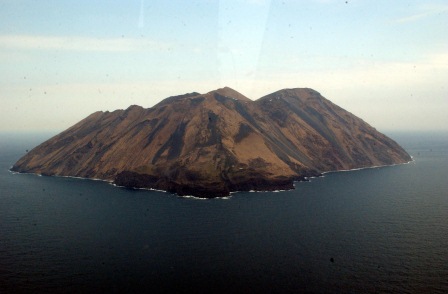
(379, 230)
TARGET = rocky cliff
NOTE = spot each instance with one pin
(210, 144)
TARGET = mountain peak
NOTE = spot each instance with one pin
(231, 93)
(301, 94)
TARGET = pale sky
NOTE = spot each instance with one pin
(384, 61)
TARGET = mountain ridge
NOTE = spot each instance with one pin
(211, 144)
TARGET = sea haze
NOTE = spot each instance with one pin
(373, 230)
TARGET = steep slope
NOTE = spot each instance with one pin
(329, 137)
(211, 144)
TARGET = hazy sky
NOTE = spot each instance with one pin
(384, 61)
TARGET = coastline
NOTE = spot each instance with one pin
(368, 167)
(303, 179)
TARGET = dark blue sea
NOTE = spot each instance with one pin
(381, 230)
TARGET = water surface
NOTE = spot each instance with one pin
(374, 230)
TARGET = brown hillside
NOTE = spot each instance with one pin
(210, 144)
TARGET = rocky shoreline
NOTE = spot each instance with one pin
(135, 180)
(132, 180)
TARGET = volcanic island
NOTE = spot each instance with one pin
(209, 145)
